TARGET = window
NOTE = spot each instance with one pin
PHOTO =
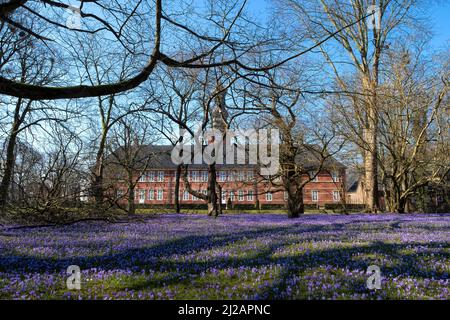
(285, 195)
(141, 195)
(315, 195)
(204, 176)
(222, 176)
(151, 176)
(241, 176)
(335, 176)
(249, 175)
(159, 195)
(269, 196)
(232, 195)
(142, 178)
(224, 196)
(151, 194)
(314, 179)
(120, 193)
(241, 195)
(194, 176)
(231, 175)
(205, 192)
(160, 176)
(250, 195)
(185, 195)
(336, 196)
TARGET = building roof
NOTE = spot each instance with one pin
(353, 179)
(160, 158)
(310, 157)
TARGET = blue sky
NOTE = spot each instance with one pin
(440, 16)
(438, 11)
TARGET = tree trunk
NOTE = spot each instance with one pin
(371, 153)
(10, 149)
(400, 205)
(219, 198)
(213, 208)
(177, 190)
(131, 203)
(7, 173)
(371, 182)
(97, 185)
(291, 181)
(295, 206)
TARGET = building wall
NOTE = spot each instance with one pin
(150, 188)
(357, 196)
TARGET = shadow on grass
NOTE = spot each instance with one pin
(158, 256)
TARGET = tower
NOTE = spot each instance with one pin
(219, 114)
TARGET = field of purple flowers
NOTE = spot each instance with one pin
(231, 257)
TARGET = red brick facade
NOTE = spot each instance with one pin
(157, 187)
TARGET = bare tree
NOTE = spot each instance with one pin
(304, 151)
(414, 146)
(365, 43)
(178, 107)
(24, 114)
(129, 158)
(47, 182)
(96, 67)
(124, 22)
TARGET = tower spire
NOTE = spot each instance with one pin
(220, 113)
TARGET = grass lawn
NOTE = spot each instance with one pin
(237, 256)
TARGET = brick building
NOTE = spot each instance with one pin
(241, 184)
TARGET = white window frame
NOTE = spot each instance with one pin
(241, 176)
(241, 195)
(250, 195)
(151, 176)
(142, 178)
(338, 198)
(151, 194)
(160, 195)
(120, 193)
(335, 176)
(222, 176)
(194, 176)
(141, 196)
(250, 175)
(315, 192)
(186, 195)
(232, 195)
(204, 176)
(269, 196)
(161, 176)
